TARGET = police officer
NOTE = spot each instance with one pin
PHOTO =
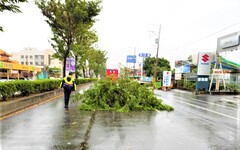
(68, 84)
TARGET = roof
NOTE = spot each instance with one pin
(2, 52)
(229, 65)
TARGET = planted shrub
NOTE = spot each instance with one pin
(233, 87)
(123, 95)
(7, 89)
(25, 87)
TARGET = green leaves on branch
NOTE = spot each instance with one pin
(70, 21)
(10, 5)
(123, 95)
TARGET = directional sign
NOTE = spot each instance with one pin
(144, 54)
(131, 58)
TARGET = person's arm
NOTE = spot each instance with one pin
(61, 85)
(74, 86)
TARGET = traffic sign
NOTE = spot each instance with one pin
(131, 58)
(144, 54)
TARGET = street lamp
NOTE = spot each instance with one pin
(157, 42)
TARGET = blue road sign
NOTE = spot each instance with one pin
(144, 54)
(131, 58)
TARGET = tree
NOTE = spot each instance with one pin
(163, 65)
(97, 61)
(10, 5)
(84, 42)
(66, 17)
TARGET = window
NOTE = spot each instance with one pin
(31, 57)
(22, 56)
(31, 63)
(42, 63)
(26, 56)
(36, 63)
(22, 62)
(42, 57)
(26, 63)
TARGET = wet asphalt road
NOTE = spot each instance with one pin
(197, 123)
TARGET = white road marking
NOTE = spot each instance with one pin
(228, 100)
(208, 110)
(214, 104)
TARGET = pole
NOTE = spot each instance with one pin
(134, 62)
(155, 67)
(142, 69)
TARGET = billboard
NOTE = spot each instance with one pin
(229, 42)
(186, 68)
(167, 76)
(112, 73)
(183, 69)
(204, 63)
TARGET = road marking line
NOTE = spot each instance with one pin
(208, 110)
(30, 107)
(214, 104)
(228, 100)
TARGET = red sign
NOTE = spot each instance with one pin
(205, 58)
(112, 73)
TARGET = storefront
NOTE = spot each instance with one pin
(17, 71)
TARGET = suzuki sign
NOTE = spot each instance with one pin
(204, 63)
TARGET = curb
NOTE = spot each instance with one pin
(14, 107)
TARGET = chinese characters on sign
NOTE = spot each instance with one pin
(167, 78)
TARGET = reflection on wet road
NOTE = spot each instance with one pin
(188, 127)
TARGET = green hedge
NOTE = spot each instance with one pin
(9, 89)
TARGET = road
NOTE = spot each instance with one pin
(198, 122)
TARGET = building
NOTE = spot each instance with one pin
(11, 69)
(34, 57)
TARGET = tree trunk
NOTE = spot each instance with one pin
(84, 75)
(64, 66)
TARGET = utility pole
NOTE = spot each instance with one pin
(157, 41)
(134, 62)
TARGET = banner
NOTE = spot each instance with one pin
(167, 76)
(70, 65)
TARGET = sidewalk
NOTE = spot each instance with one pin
(17, 104)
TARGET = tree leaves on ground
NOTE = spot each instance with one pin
(122, 96)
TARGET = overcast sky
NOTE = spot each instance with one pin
(187, 27)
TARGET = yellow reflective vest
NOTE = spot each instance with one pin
(69, 82)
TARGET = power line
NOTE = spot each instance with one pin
(204, 37)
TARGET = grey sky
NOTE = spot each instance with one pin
(187, 27)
